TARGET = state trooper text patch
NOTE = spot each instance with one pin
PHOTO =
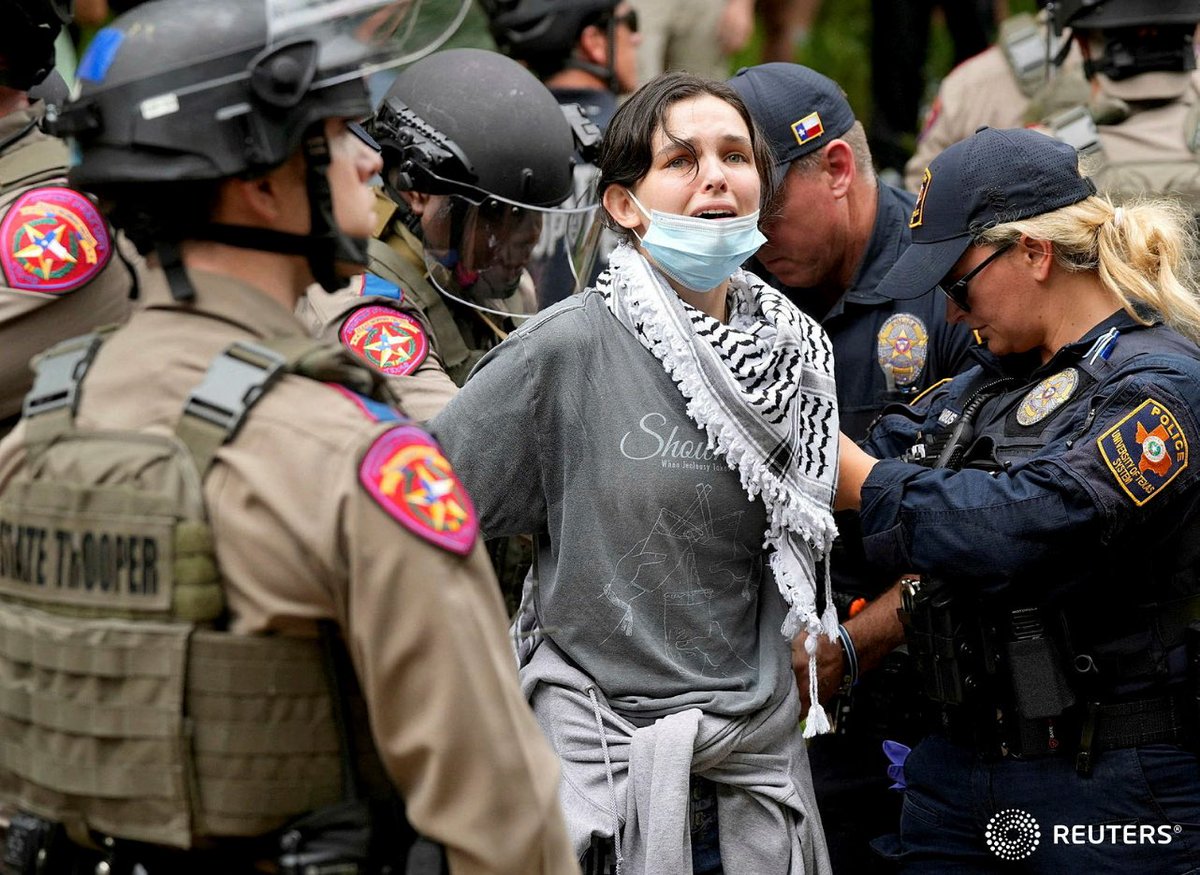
(1047, 396)
(53, 240)
(1145, 451)
(901, 347)
(405, 471)
(390, 340)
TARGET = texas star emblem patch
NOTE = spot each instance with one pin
(53, 240)
(390, 340)
(901, 347)
(1145, 451)
(405, 471)
(1047, 396)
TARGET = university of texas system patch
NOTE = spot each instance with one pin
(1145, 451)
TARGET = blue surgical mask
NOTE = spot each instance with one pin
(699, 254)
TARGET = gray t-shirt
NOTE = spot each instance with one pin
(651, 572)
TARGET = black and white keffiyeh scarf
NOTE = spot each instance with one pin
(762, 388)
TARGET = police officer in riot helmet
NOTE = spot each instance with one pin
(477, 164)
(1129, 37)
(259, 590)
(584, 50)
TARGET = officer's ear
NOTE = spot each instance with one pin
(593, 45)
(1037, 256)
(418, 201)
(263, 200)
(839, 164)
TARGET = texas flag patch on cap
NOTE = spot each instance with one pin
(808, 128)
(407, 474)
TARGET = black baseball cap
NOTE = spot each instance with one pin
(991, 178)
(797, 109)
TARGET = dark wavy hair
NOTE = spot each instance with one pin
(626, 154)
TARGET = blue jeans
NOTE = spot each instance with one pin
(1139, 811)
(706, 847)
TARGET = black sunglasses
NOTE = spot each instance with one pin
(957, 290)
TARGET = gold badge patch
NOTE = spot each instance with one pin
(1145, 451)
(901, 346)
(1047, 396)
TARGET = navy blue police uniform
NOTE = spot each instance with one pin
(1055, 521)
(1076, 513)
(884, 351)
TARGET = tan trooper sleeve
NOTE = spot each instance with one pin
(425, 390)
(980, 91)
(427, 635)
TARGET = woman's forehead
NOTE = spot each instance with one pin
(702, 116)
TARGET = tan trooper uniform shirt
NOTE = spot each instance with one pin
(59, 273)
(980, 91)
(298, 540)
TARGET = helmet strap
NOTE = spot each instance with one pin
(325, 247)
(328, 246)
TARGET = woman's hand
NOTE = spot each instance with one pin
(853, 469)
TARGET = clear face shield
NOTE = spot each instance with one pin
(393, 32)
(504, 257)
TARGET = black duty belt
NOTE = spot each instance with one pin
(1083, 732)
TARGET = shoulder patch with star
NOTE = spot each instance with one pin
(53, 240)
(406, 473)
(1145, 451)
(386, 338)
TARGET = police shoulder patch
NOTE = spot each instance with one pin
(1145, 451)
(1047, 396)
(53, 240)
(901, 347)
(386, 338)
(406, 473)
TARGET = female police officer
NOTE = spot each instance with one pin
(208, 487)
(1057, 532)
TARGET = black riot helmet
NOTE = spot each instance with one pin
(28, 29)
(177, 94)
(482, 135)
(1135, 36)
(543, 33)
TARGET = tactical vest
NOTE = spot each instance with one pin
(1154, 171)
(125, 711)
(1022, 39)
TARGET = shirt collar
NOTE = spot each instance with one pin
(227, 299)
(889, 238)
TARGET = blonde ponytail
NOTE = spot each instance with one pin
(1141, 251)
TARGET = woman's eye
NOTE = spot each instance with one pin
(738, 158)
(678, 162)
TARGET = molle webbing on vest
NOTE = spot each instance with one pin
(121, 712)
(100, 730)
